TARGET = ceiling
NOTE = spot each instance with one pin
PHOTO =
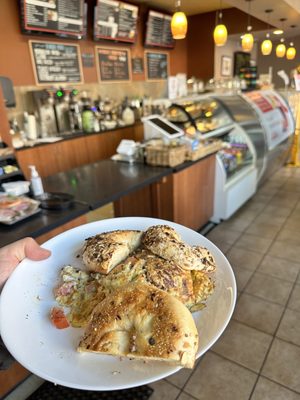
(190, 7)
(289, 9)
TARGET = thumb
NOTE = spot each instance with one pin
(33, 251)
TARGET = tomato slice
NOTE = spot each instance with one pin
(58, 318)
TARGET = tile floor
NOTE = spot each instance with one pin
(258, 356)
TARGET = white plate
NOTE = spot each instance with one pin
(51, 353)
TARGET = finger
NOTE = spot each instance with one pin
(33, 251)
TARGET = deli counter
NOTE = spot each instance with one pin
(256, 129)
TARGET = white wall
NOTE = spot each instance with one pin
(264, 62)
(228, 50)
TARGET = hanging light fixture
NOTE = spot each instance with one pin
(291, 52)
(220, 31)
(280, 48)
(248, 40)
(266, 46)
(179, 22)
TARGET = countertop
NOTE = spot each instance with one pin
(93, 186)
(40, 223)
(104, 181)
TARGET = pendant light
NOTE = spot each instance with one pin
(220, 31)
(280, 48)
(248, 40)
(178, 23)
(291, 52)
(266, 46)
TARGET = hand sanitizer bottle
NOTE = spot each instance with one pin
(36, 182)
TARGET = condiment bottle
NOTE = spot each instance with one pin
(36, 182)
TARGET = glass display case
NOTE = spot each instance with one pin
(199, 116)
(235, 177)
(256, 129)
(235, 154)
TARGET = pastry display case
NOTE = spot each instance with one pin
(256, 130)
(206, 118)
(199, 116)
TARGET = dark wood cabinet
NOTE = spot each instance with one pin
(185, 197)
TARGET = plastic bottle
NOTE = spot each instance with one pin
(128, 116)
(36, 182)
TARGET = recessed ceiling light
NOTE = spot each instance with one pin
(278, 32)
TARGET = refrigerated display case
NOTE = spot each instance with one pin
(256, 130)
(268, 121)
(202, 115)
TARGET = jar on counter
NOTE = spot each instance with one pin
(88, 119)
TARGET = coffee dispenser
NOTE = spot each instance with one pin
(61, 109)
(43, 101)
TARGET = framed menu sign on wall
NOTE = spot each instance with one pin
(157, 65)
(55, 62)
(158, 30)
(64, 18)
(113, 64)
(115, 20)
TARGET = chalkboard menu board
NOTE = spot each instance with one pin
(137, 65)
(158, 30)
(113, 64)
(56, 62)
(60, 17)
(115, 20)
(157, 65)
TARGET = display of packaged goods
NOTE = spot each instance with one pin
(14, 209)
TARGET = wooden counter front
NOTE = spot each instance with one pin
(64, 155)
(185, 197)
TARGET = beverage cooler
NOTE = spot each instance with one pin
(256, 130)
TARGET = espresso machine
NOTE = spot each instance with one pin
(61, 108)
(43, 102)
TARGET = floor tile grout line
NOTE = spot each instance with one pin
(250, 278)
(267, 333)
(274, 276)
(182, 390)
(266, 253)
(201, 358)
(262, 298)
(274, 337)
(244, 230)
(234, 362)
(279, 384)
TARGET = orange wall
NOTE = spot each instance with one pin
(15, 61)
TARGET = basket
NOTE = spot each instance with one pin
(204, 150)
(166, 156)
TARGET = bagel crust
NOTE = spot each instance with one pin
(143, 322)
(164, 241)
(153, 270)
(103, 252)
